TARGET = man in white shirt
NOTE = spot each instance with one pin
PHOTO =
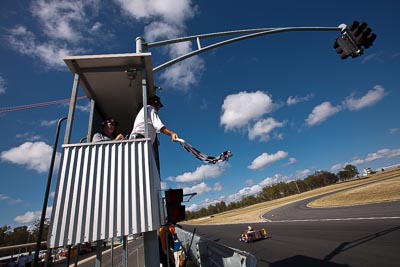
(155, 125)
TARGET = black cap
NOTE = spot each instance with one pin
(156, 101)
(110, 120)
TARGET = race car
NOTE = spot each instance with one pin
(252, 235)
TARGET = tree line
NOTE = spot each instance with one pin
(21, 235)
(279, 190)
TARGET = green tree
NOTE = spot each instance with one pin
(35, 230)
(353, 172)
(348, 172)
(4, 234)
(221, 206)
(343, 175)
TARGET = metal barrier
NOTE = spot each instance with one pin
(105, 190)
(208, 253)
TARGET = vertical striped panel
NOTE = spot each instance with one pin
(105, 190)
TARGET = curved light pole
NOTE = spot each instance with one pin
(142, 46)
(46, 195)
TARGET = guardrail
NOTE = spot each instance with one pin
(208, 253)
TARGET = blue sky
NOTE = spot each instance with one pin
(286, 105)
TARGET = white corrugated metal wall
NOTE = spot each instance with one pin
(105, 190)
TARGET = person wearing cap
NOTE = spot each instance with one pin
(108, 133)
(155, 124)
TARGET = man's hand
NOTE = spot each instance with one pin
(174, 136)
(119, 137)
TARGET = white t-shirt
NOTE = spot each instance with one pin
(155, 123)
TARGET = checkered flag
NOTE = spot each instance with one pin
(222, 157)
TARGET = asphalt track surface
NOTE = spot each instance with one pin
(366, 235)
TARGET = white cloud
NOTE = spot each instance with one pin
(291, 161)
(257, 188)
(33, 155)
(29, 136)
(164, 185)
(193, 207)
(249, 182)
(244, 192)
(204, 204)
(202, 188)
(357, 162)
(322, 112)
(293, 100)
(28, 217)
(160, 29)
(239, 109)
(384, 153)
(249, 191)
(202, 172)
(267, 159)
(50, 53)
(65, 25)
(183, 75)
(48, 123)
(394, 130)
(166, 19)
(84, 108)
(172, 11)
(32, 216)
(3, 85)
(302, 173)
(337, 167)
(65, 20)
(68, 25)
(263, 127)
(372, 97)
(9, 200)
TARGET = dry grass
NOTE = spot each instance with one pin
(383, 190)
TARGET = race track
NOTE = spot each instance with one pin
(367, 235)
(299, 211)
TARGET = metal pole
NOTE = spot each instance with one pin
(139, 44)
(144, 92)
(150, 242)
(98, 253)
(298, 190)
(46, 195)
(68, 255)
(124, 252)
(48, 256)
(253, 34)
(71, 112)
(91, 116)
(112, 251)
(76, 255)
